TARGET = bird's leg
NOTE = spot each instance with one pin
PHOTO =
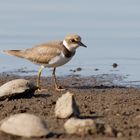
(39, 75)
(58, 88)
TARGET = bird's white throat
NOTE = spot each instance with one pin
(70, 48)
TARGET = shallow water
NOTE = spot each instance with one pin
(110, 29)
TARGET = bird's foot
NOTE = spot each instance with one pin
(38, 88)
(59, 88)
(42, 89)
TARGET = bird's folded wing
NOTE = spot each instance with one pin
(43, 53)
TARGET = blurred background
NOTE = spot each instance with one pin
(110, 29)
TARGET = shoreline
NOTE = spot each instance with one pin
(111, 79)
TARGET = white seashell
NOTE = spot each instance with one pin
(66, 106)
(80, 126)
(24, 124)
(17, 86)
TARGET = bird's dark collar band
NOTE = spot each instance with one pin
(67, 53)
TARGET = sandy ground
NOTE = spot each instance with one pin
(116, 106)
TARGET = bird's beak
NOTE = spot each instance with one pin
(82, 45)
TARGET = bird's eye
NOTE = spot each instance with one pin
(72, 40)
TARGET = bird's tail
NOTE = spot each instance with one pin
(17, 53)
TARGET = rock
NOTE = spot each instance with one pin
(119, 134)
(66, 106)
(78, 69)
(138, 117)
(109, 131)
(106, 129)
(23, 124)
(137, 120)
(96, 69)
(17, 86)
(80, 126)
(114, 65)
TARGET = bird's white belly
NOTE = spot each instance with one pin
(58, 61)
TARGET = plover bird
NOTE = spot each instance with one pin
(52, 54)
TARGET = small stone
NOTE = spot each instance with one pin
(24, 124)
(96, 69)
(79, 69)
(119, 135)
(80, 126)
(66, 106)
(137, 120)
(114, 65)
(138, 117)
(109, 131)
(17, 86)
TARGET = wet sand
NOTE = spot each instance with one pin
(102, 101)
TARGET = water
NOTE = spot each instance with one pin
(110, 29)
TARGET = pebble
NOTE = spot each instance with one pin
(96, 69)
(17, 86)
(114, 65)
(80, 126)
(119, 134)
(24, 124)
(66, 106)
(138, 117)
(78, 69)
(109, 131)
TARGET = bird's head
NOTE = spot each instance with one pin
(72, 42)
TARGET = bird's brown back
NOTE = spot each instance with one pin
(41, 54)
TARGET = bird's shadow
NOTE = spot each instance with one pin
(26, 95)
